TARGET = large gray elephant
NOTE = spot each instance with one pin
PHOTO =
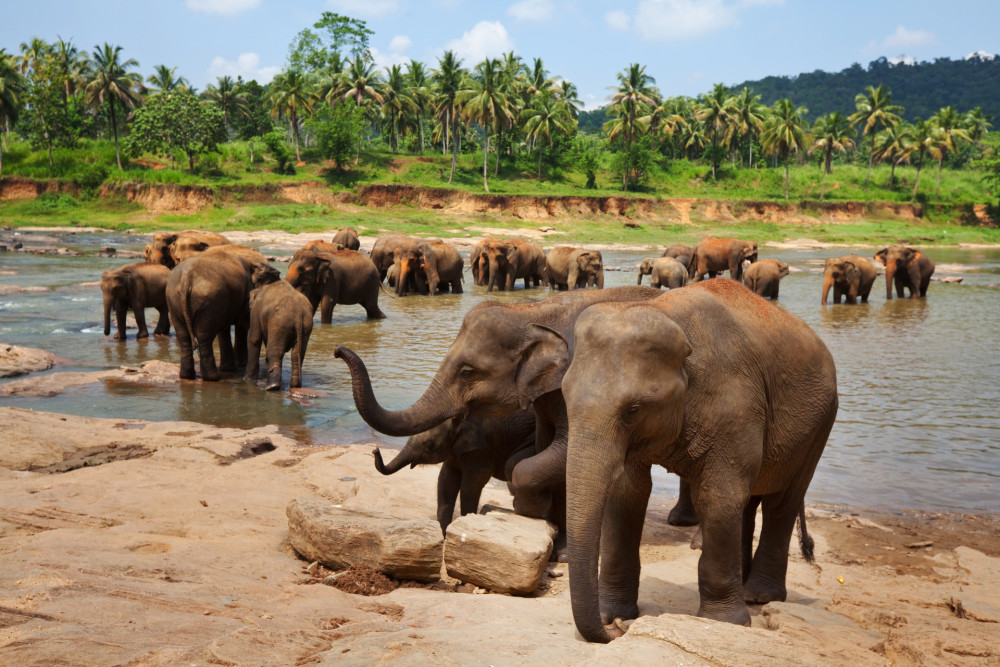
(383, 253)
(348, 238)
(436, 264)
(471, 450)
(568, 268)
(850, 276)
(509, 261)
(281, 318)
(136, 287)
(763, 277)
(663, 272)
(908, 268)
(713, 256)
(733, 394)
(344, 277)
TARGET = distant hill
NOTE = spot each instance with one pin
(920, 88)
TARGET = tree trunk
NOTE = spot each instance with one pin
(892, 176)
(420, 124)
(871, 157)
(486, 152)
(937, 189)
(539, 162)
(822, 189)
(786, 177)
(114, 130)
(295, 133)
(454, 152)
(916, 183)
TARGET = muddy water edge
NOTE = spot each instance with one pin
(919, 380)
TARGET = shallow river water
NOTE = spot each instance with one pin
(919, 380)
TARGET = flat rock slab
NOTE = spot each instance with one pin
(339, 537)
(149, 372)
(503, 552)
(16, 360)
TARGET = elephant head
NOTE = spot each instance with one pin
(411, 262)
(841, 272)
(499, 363)
(308, 272)
(899, 258)
(264, 275)
(159, 252)
(500, 255)
(645, 268)
(611, 422)
(591, 268)
(185, 247)
(434, 445)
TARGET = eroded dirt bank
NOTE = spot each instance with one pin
(187, 199)
(166, 543)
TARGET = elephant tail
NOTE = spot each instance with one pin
(381, 286)
(806, 542)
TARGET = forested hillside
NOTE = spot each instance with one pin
(921, 88)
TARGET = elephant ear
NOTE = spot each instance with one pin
(322, 268)
(510, 251)
(881, 255)
(542, 362)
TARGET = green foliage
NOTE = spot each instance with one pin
(631, 165)
(255, 120)
(586, 156)
(51, 203)
(337, 131)
(278, 149)
(176, 121)
(311, 51)
(90, 177)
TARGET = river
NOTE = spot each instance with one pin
(919, 380)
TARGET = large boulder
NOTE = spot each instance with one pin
(16, 360)
(339, 537)
(501, 551)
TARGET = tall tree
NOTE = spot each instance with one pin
(11, 90)
(176, 121)
(292, 93)
(892, 145)
(396, 103)
(71, 64)
(420, 93)
(571, 96)
(31, 52)
(108, 82)
(784, 133)
(485, 103)
(448, 78)
(874, 109)
(831, 132)
(923, 141)
(228, 97)
(747, 116)
(548, 116)
(634, 96)
(714, 110)
(164, 80)
(950, 132)
(360, 82)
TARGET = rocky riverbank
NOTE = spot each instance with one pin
(148, 543)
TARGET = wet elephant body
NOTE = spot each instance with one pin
(348, 238)
(343, 277)
(851, 277)
(135, 287)
(907, 269)
(763, 277)
(281, 319)
(713, 256)
(510, 261)
(434, 264)
(471, 451)
(663, 272)
(654, 383)
(569, 267)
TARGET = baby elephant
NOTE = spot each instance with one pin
(663, 272)
(280, 318)
(763, 276)
(136, 287)
(471, 450)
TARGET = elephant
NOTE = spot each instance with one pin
(501, 362)
(850, 276)
(435, 261)
(680, 252)
(344, 277)
(569, 268)
(513, 260)
(171, 248)
(479, 264)
(471, 450)
(136, 287)
(764, 276)
(384, 249)
(730, 392)
(663, 272)
(391, 275)
(348, 238)
(281, 318)
(907, 268)
(713, 256)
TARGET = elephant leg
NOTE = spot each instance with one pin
(139, 310)
(449, 483)
(765, 581)
(749, 525)
(254, 342)
(326, 309)
(456, 285)
(298, 356)
(370, 304)
(163, 323)
(187, 355)
(121, 312)
(474, 478)
(274, 357)
(240, 338)
(206, 355)
(533, 479)
(683, 513)
(720, 580)
(774, 294)
(227, 358)
(621, 531)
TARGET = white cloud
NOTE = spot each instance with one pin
(487, 39)
(669, 20)
(531, 10)
(396, 55)
(618, 19)
(400, 44)
(365, 8)
(246, 65)
(904, 38)
(902, 59)
(223, 7)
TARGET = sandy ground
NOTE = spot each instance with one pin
(134, 543)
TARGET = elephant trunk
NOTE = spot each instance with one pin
(431, 409)
(890, 273)
(494, 272)
(640, 277)
(600, 279)
(406, 457)
(109, 303)
(591, 470)
(402, 277)
(827, 284)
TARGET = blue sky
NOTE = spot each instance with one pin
(686, 45)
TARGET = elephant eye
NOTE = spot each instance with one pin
(466, 372)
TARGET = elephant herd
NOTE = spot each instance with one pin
(571, 399)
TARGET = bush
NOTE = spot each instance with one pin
(278, 149)
(90, 178)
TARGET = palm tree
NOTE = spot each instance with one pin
(396, 103)
(635, 95)
(978, 125)
(32, 52)
(292, 92)
(747, 116)
(695, 140)
(71, 65)
(571, 96)
(892, 145)
(449, 77)
(950, 129)
(108, 81)
(783, 132)
(874, 108)
(546, 117)
(831, 132)
(420, 93)
(163, 80)
(360, 83)
(923, 136)
(714, 110)
(227, 95)
(11, 88)
(485, 103)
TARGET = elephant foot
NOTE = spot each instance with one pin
(560, 550)
(758, 590)
(682, 515)
(273, 386)
(737, 614)
(187, 373)
(118, 336)
(612, 613)
(142, 334)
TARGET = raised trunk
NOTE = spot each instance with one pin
(431, 409)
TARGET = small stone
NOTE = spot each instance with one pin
(919, 545)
